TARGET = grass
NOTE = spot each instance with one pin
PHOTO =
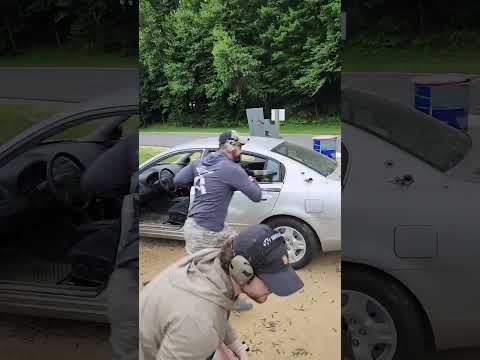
(309, 129)
(147, 152)
(17, 117)
(416, 60)
(67, 58)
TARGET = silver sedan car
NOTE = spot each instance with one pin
(410, 205)
(301, 194)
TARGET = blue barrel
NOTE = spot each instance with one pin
(326, 145)
(445, 97)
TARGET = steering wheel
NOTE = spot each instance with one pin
(64, 174)
(165, 179)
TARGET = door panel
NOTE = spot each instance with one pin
(243, 211)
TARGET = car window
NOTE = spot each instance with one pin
(77, 127)
(184, 157)
(83, 130)
(312, 159)
(256, 162)
(253, 162)
(130, 125)
(78, 131)
(421, 135)
(18, 116)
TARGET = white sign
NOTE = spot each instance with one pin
(278, 115)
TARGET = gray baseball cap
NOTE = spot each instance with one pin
(231, 135)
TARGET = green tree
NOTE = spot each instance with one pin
(54, 10)
(236, 73)
(206, 60)
(152, 45)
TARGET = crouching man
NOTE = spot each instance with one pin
(184, 310)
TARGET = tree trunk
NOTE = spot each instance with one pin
(10, 33)
(239, 113)
(57, 37)
(267, 102)
(421, 18)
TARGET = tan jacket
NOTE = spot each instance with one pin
(184, 310)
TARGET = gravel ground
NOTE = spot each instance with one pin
(27, 338)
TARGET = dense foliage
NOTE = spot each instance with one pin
(91, 25)
(204, 61)
(439, 24)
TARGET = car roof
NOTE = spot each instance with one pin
(254, 143)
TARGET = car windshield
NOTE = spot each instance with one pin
(421, 135)
(314, 160)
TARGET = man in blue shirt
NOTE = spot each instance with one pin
(215, 178)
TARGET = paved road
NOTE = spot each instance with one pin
(399, 86)
(63, 84)
(173, 139)
(78, 84)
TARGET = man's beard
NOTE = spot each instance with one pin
(236, 159)
(259, 299)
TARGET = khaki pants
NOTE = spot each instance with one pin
(198, 238)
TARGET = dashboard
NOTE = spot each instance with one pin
(25, 177)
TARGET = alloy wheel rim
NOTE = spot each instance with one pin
(295, 242)
(372, 329)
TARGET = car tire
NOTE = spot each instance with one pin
(401, 308)
(312, 244)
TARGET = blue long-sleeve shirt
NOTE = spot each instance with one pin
(215, 179)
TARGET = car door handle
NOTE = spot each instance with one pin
(405, 180)
(263, 199)
(271, 189)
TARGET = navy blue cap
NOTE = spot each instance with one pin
(266, 252)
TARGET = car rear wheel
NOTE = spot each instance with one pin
(383, 321)
(302, 243)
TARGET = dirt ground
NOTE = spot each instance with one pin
(303, 326)
(27, 338)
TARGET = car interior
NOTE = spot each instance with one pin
(163, 203)
(54, 234)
